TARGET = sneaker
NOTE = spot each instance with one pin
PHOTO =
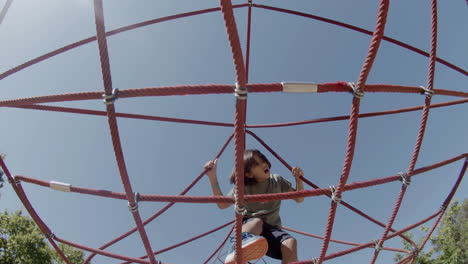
(253, 247)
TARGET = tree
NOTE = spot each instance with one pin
(452, 238)
(450, 244)
(21, 242)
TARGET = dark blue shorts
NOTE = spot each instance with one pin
(275, 236)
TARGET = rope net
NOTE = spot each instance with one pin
(239, 131)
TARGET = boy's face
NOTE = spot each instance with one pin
(260, 171)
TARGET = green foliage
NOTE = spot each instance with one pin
(21, 242)
(452, 239)
(450, 244)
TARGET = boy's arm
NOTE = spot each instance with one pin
(297, 173)
(211, 173)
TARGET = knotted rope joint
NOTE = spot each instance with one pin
(415, 251)
(443, 207)
(14, 181)
(134, 208)
(334, 197)
(240, 209)
(110, 98)
(356, 92)
(376, 246)
(405, 178)
(240, 92)
(426, 91)
(50, 235)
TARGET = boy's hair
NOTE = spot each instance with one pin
(249, 162)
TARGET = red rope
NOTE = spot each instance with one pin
(363, 246)
(239, 129)
(108, 34)
(240, 117)
(341, 241)
(421, 131)
(220, 246)
(361, 30)
(32, 212)
(317, 187)
(248, 198)
(107, 79)
(209, 123)
(446, 203)
(214, 89)
(186, 241)
(247, 45)
(165, 208)
(353, 122)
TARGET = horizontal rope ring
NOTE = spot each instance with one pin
(240, 92)
(134, 208)
(110, 98)
(405, 179)
(426, 91)
(334, 197)
(357, 92)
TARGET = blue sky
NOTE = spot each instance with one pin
(163, 158)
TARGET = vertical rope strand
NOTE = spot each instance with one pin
(353, 122)
(422, 127)
(240, 117)
(107, 79)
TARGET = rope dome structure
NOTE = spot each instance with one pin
(241, 130)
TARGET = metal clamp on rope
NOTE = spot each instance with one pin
(334, 197)
(415, 252)
(426, 91)
(60, 186)
(50, 235)
(134, 208)
(357, 92)
(110, 98)
(14, 181)
(376, 246)
(240, 93)
(250, 3)
(405, 179)
(315, 260)
(240, 210)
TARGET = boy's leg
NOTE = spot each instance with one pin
(254, 246)
(289, 250)
(253, 226)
